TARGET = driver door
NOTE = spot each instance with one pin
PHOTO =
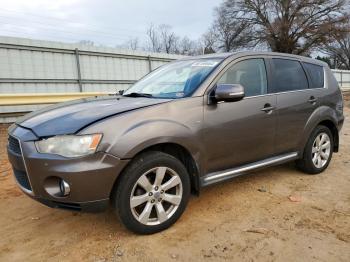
(241, 132)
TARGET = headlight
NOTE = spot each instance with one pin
(69, 145)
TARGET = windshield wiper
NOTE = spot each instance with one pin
(138, 95)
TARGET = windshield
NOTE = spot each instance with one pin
(174, 80)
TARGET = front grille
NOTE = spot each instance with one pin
(13, 145)
(22, 179)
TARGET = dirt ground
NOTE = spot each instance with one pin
(248, 219)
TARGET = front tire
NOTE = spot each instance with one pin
(152, 193)
(318, 151)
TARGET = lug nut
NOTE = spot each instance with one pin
(159, 199)
(152, 201)
(162, 191)
(150, 194)
(156, 188)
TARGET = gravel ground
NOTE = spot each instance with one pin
(251, 218)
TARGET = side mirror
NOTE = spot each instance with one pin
(229, 92)
(121, 92)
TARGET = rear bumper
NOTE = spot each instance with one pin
(91, 178)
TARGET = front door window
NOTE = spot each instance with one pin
(251, 74)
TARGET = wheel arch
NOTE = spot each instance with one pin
(179, 152)
(333, 128)
(328, 122)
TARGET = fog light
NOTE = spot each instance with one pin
(64, 187)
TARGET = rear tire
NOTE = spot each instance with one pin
(152, 193)
(318, 151)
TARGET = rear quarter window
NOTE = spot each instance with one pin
(316, 74)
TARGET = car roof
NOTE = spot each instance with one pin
(256, 53)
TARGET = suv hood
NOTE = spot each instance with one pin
(70, 117)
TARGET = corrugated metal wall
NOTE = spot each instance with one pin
(343, 78)
(32, 66)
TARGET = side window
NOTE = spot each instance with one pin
(288, 75)
(316, 74)
(251, 74)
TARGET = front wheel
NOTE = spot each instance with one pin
(318, 151)
(152, 193)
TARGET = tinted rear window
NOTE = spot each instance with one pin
(288, 75)
(316, 74)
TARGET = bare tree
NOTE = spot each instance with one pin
(153, 39)
(186, 46)
(163, 39)
(209, 41)
(289, 26)
(168, 39)
(132, 44)
(339, 48)
(87, 42)
(230, 32)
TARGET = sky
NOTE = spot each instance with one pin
(105, 22)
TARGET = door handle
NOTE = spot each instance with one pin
(312, 100)
(267, 108)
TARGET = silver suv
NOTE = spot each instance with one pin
(186, 125)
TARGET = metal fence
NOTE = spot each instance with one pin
(36, 73)
(343, 78)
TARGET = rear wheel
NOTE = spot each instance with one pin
(152, 193)
(318, 151)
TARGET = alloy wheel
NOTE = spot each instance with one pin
(321, 149)
(156, 196)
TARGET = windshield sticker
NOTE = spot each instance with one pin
(206, 63)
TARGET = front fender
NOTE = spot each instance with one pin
(153, 132)
(179, 122)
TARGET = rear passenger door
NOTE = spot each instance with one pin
(296, 101)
